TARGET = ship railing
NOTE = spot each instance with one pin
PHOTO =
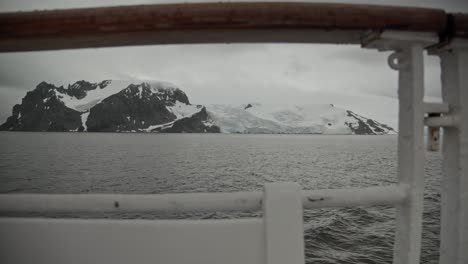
(275, 237)
(405, 32)
(195, 202)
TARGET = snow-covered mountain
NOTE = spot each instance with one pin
(109, 106)
(126, 106)
(309, 119)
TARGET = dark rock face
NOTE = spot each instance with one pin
(133, 108)
(387, 127)
(80, 88)
(370, 127)
(170, 96)
(193, 124)
(40, 110)
(374, 125)
(362, 128)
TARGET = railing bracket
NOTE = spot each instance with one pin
(442, 121)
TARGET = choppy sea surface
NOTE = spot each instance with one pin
(171, 163)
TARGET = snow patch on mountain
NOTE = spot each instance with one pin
(92, 97)
(181, 110)
(84, 118)
(160, 127)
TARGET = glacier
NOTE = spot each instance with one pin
(300, 119)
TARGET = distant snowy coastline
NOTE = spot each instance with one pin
(129, 106)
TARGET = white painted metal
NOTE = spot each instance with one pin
(397, 61)
(191, 202)
(408, 60)
(392, 40)
(180, 202)
(388, 195)
(454, 187)
(284, 230)
(441, 108)
(407, 245)
(396, 37)
(442, 121)
(276, 239)
(434, 121)
(79, 241)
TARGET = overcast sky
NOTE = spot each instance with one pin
(346, 76)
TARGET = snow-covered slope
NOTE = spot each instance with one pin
(310, 119)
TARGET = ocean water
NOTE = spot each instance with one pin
(171, 163)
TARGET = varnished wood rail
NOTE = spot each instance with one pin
(231, 22)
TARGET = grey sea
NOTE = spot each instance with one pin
(171, 163)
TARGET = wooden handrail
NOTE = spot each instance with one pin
(460, 27)
(212, 23)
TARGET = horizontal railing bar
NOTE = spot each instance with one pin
(441, 121)
(436, 108)
(371, 196)
(179, 202)
(228, 22)
(193, 202)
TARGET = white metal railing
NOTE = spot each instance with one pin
(406, 196)
(442, 121)
(454, 186)
(407, 58)
(441, 108)
(452, 115)
(193, 202)
(275, 238)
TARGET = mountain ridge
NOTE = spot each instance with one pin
(130, 106)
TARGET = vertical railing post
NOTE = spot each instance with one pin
(284, 228)
(408, 59)
(410, 65)
(454, 186)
